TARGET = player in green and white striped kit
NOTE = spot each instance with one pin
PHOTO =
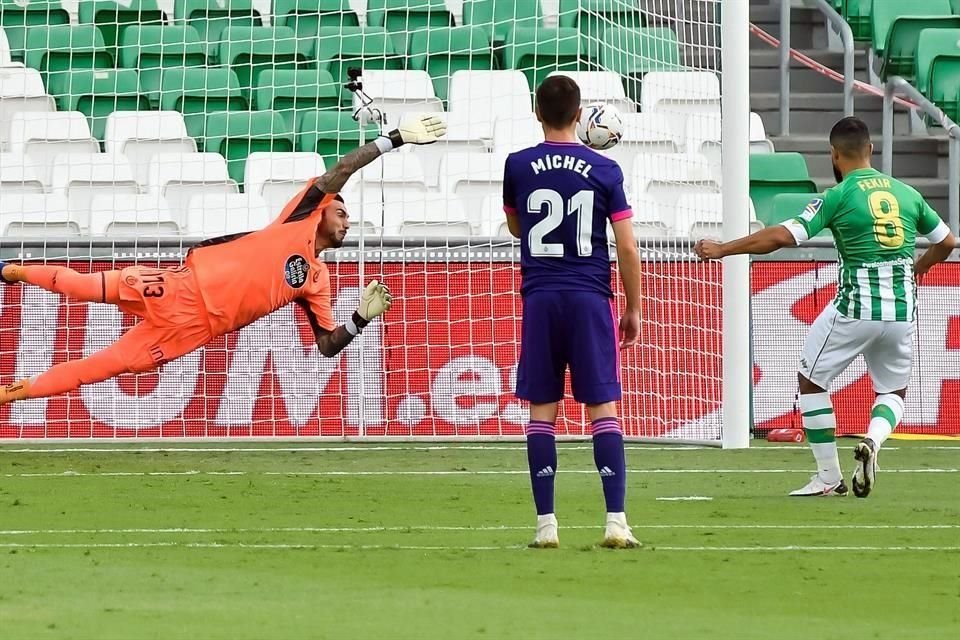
(875, 220)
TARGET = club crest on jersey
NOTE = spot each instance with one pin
(812, 209)
(295, 271)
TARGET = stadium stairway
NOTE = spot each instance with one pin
(817, 101)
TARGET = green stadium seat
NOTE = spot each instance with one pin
(113, 17)
(292, 93)
(211, 17)
(197, 91)
(539, 52)
(251, 50)
(332, 134)
(63, 48)
(857, 15)
(237, 134)
(775, 173)
(16, 16)
(403, 18)
(499, 17)
(339, 49)
(956, 7)
(441, 52)
(938, 68)
(632, 53)
(96, 93)
(896, 31)
(787, 206)
(306, 17)
(594, 17)
(151, 49)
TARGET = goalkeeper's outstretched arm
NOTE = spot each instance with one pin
(374, 302)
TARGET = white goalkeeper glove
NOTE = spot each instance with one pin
(374, 302)
(424, 130)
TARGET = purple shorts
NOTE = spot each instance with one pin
(574, 329)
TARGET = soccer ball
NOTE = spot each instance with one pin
(600, 126)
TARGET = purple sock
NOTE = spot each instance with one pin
(542, 458)
(611, 463)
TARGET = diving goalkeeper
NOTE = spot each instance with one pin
(224, 284)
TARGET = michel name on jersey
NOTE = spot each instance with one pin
(558, 161)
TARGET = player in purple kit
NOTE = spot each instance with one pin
(558, 197)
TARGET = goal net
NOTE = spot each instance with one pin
(131, 130)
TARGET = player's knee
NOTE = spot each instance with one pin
(807, 386)
(602, 410)
(899, 392)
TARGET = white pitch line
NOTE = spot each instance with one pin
(367, 449)
(684, 499)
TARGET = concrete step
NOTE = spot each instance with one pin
(914, 157)
(765, 71)
(934, 190)
(807, 26)
(815, 113)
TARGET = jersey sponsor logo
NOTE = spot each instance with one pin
(812, 209)
(295, 271)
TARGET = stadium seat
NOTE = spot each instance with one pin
(601, 86)
(442, 52)
(700, 215)
(401, 92)
(211, 17)
(277, 176)
(514, 133)
(292, 93)
(499, 17)
(857, 15)
(938, 69)
(306, 17)
(633, 53)
(896, 31)
(703, 136)
(18, 175)
(538, 52)
(113, 17)
(775, 173)
(62, 49)
(179, 176)
(678, 94)
(787, 206)
(487, 95)
(366, 214)
(339, 49)
(17, 16)
(43, 136)
(237, 134)
(402, 18)
(81, 176)
(492, 222)
(395, 178)
(470, 177)
(6, 60)
(210, 215)
(594, 18)
(36, 215)
(331, 134)
(98, 93)
(435, 216)
(154, 48)
(956, 7)
(668, 176)
(131, 215)
(194, 92)
(252, 50)
(464, 134)
(21, 91)
(139, 136)
(642, 133)
(650, 219)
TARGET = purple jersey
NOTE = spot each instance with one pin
(564, 193)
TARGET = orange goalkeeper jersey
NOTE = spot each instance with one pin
(245, 276)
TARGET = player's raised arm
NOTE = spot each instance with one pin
(375, 300)
(425, 130)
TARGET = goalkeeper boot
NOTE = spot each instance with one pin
(865, 475)
(618, 534)
(818, 488)
(546, 533)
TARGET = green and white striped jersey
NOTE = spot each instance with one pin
(875, 220)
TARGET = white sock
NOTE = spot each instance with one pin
(547, 518)
(618, 517)
(886, 415)
(820, 425)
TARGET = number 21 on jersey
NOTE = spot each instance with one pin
(580, 205)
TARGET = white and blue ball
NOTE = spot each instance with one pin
(600, 126)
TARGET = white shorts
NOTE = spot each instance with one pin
(835, 341)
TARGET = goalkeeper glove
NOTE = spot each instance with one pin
(424, 130)
(374, 302)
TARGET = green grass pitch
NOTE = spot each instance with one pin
(428, 541)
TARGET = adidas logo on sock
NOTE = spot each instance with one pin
(546, 472)
(606, 472)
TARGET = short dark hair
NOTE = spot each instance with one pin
(850, 137)
(339, 198)
(558, 98)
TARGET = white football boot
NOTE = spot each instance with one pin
(618, 534)
(818, 488)
(865, 475)
(546, 533)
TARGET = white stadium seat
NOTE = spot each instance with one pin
(82, 176)
(487, 95)
(649, 220)
(470, 177)
(492, 221)
(179, 176)
(677, 94)
(127, 214)
(18, 175)
(516, 132)
(218, 214)
(642, 133)
(140, 135)
(668, 175)
(36, 215)
(21, 90)
(278, 176)
(400, 92)
(394, 178)
(464, 134)
(700, 215)
(5, 59)
(366, 214)
(759, 143)
(601, 86)
(42, 136)
(435, 216)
